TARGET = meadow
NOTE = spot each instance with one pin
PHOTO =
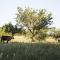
(22, 48)
(30, 51)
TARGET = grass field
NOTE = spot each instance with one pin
(29, 51)
(22, 48)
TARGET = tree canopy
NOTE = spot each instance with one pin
(34, 20)
(13, 29)
(9, 28)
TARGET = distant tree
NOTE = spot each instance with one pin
(56, 33)
(34, 20)
(9, 28)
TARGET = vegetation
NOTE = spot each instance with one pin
(34, 20)
(57, 33)
(13, 29)
(2, 32)
(9, 28)
(29, 51)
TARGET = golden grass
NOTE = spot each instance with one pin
(28, 40)
(21, 39)
(51, 39)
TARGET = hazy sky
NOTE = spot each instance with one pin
(8, 9)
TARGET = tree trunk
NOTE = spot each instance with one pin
(32, 37)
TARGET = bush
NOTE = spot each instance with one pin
(41, 35)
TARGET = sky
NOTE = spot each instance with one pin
(8, 9)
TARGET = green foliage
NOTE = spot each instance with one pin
(9, 28)
(2, 32)
(34, 20)
(41, 35)
(57, 33)
(26, 51)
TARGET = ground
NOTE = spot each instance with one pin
(21, 39)
(28, 40)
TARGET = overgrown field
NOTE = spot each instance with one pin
(29, 51)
